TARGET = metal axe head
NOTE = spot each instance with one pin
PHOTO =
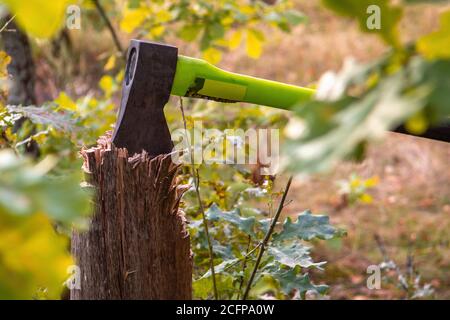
(154, 71)
(141, 124)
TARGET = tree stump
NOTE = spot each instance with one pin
(137, 246)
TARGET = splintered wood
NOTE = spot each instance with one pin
(137, 246)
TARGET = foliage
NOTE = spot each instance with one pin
(237, 236)
(52, 12)
(33, 258)
(355, 189)
(27, 190)
(431, 45)
(409, 83)
(390, 15)
(408, 280)
(215, 25)
(362, 101)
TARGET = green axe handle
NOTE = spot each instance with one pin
(198, 78)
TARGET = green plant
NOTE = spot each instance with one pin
(215, 25)
(254, 253)
(408, 84)
(355, 189)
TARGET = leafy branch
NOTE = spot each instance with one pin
(267, 238)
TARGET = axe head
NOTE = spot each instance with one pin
(141, 124)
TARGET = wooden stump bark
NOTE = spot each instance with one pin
(137, 246)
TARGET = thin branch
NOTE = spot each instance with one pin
(267, 238)
(386, 258)
(196, 178)
(7, 23)
(244, 266)
(102, 13)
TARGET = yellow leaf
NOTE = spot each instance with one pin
(221, 42)
(227, 21)
(417, 124)
(212, 55)
(4, 61)
(110, 64)
(235, 40)
(65, 102)
(107, 84)
(157, 31)
(190, 32)
(163, 16)
(254, 43)
(371, 182)
(34, 257)
(119, 76)
(355, 183)
(366, 198)
(437, 44)
(40, 18)
(247, 9)
(133, 18)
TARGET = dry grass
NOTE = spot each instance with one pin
(410, 211)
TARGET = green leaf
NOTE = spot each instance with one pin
(220, 268)
(203, 287)
(435, 76)
(292, 279)
(295, 17)
(307, 227)
(336, 126)
(46, 115)
(390, 16)
(190, 32)
(246, 225)
(294, 255)
(216, 31)
(34, 191)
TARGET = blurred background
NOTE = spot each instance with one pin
(394, 203)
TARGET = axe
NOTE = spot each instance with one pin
(155, 71)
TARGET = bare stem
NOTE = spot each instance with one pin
(196, 178)
(266, 239)
(386, 258)
(244, 266)
(7, 23)
(109, 25)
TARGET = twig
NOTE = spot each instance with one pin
(266, 239)
(7, 23)
(386, 258)
(244, 266)
(196, 178)
(102, 13)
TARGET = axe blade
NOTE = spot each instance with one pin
(141, 124)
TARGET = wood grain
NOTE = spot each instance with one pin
(137, 246)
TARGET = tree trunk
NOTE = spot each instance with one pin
(22, 74)
(21, 69)
(137, 246)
